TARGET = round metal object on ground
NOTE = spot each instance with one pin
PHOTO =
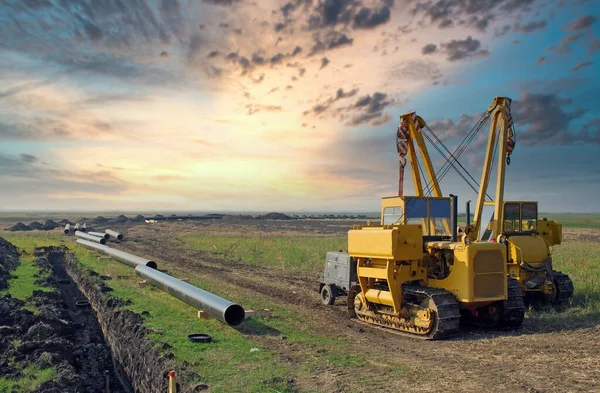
(83, 303)
(199, 338)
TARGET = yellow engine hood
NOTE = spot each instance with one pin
(529, 248)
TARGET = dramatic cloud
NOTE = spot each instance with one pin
(328, 41)
(368, 18)
(542, 120)
(582, 65)
(463, 49)
(529, 27)
(370, 108)
(324, 62)
(582, 23)
(325, 105)
(477, 14)
(429, 48)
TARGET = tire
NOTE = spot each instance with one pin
(327, 295)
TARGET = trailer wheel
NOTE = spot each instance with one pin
(327, 296)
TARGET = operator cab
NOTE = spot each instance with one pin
(520, 218)
(432, 213)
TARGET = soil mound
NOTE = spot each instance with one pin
(138, 218)
(119, 220)
(99, 220)
(37, 226)
(9, 257)
(274, 216)
(238, 217)
(50, 224)
(64, 222)
(19, 227)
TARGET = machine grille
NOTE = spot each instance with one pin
(489, 279)
(488, 261)
(489, 285)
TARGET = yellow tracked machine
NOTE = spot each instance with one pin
(411, 273)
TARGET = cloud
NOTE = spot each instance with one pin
(254, 108)
(463, 49)
(325, 105)
(324, 62)
(582, 23)
(582, 65)
(541, 60)
(429, 48)
(328, 41)
(544, 120)
(28, 158)
(477, 14)
(23, 87)
(370, 110)
(564, 45)
(529, 27)
(368, 18)
(222, 2)
(541, 120)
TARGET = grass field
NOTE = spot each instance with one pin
(301, 348)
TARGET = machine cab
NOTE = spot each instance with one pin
(432, 213)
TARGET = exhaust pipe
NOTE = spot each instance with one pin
(222, 309)
(468, 208)
(100, 234)
(122, 256)
(114, 234)
(67, 229)
(454, 218)
(87, 236)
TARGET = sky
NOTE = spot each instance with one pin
(233, 105)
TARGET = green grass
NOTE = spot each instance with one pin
(32, 377)
(574, 220)
(287, 254)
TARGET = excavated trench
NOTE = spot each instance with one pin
(81, 330)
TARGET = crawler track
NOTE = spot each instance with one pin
(446, 313)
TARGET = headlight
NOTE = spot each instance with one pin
(466, 239)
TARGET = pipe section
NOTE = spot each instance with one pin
(67, 229)
(222, 309)
(76, 227)
(100, 234)
(122, 256)
(114, 234)
(84, 227)
(87, 236)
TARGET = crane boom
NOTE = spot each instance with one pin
(501, 134)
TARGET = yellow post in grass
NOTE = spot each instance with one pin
(172, 382)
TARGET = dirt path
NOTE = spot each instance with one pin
(536, 358)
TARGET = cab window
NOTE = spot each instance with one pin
(391, 215)
(529, 217)
(512, 217)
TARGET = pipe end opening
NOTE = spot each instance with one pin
(102, 241)
(151, 264)
(120, 237)
(234, 315)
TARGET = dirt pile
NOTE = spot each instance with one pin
(238, 217)
(19, 227)
(36, 226)
(50, 224)
(138, 218)
(9, 258)
(64, 222)
(274, 216)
